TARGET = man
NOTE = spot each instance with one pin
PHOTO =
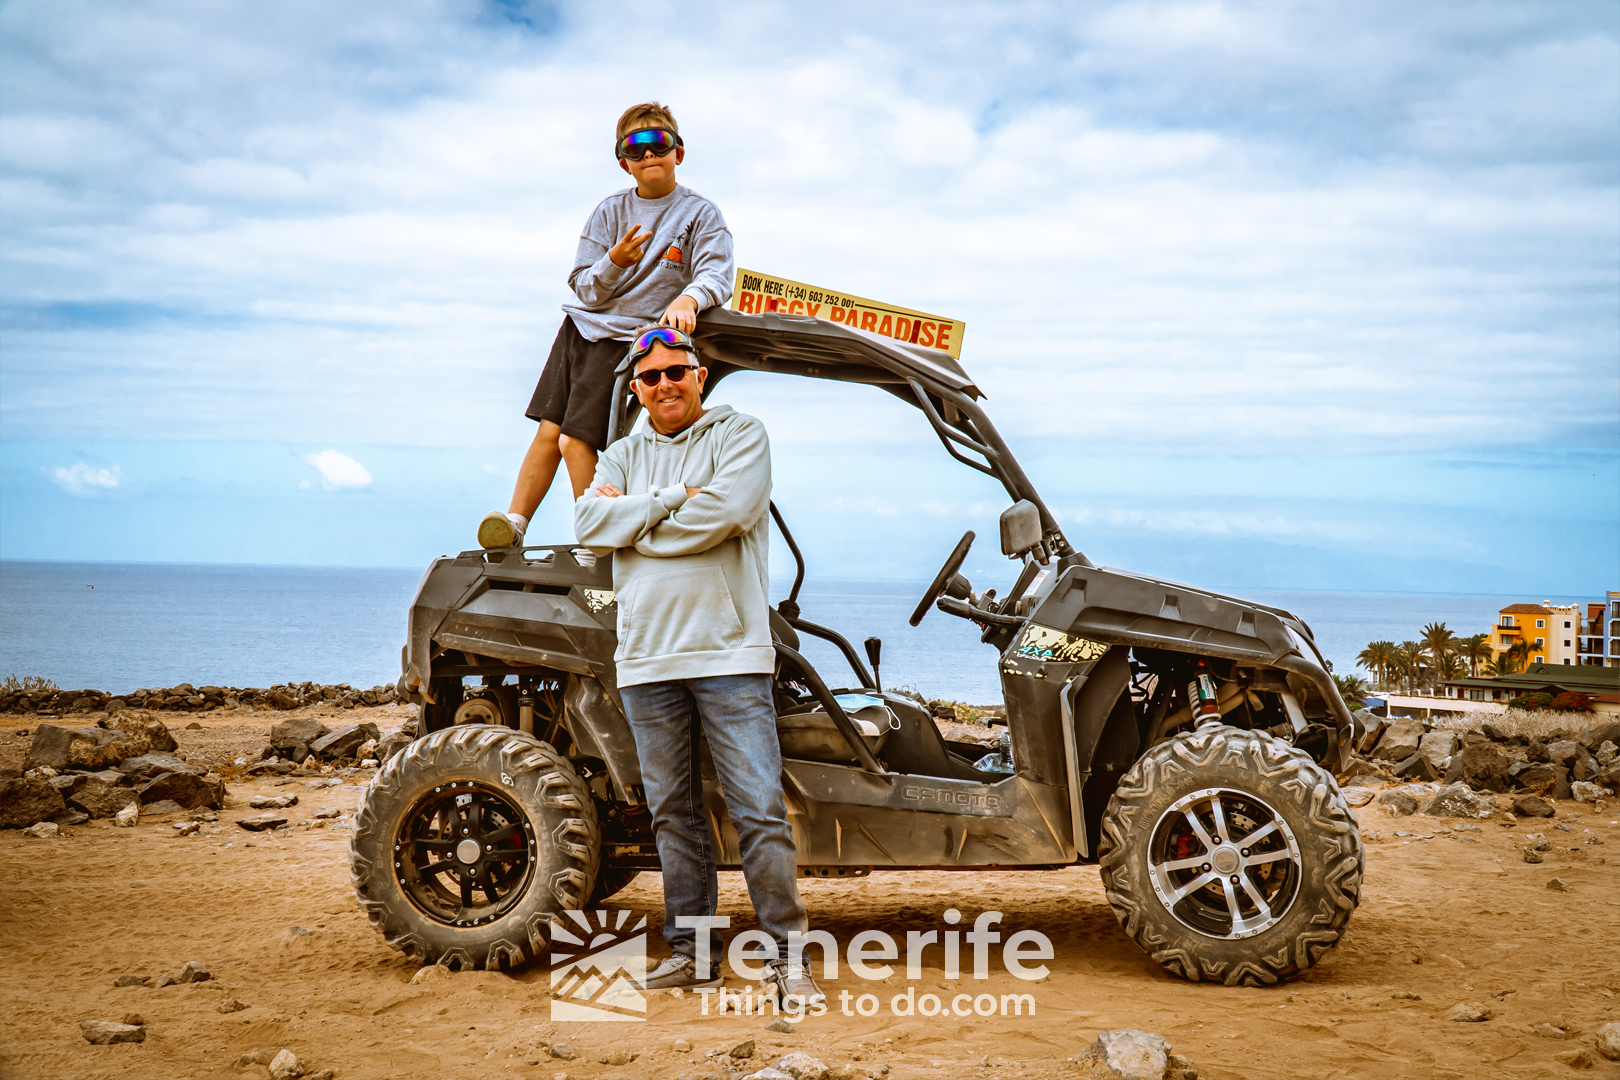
(684, 504)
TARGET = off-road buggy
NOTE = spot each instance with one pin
(1174, 736)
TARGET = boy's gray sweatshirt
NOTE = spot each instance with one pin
(691, 574)
(690, 252)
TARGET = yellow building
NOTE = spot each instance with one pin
(1551, 630)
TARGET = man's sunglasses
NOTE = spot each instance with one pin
(676, 373)
(635, 145)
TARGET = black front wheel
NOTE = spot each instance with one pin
(468, 841)
(1230, 855)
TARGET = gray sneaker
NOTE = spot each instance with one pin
(497, 530)
(792, 980)
(675, 971)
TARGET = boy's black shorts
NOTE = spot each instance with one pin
(575, 390)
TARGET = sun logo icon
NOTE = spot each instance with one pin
(603, 975)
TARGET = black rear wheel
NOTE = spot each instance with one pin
(468, 841)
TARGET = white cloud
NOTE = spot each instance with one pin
(87, 481)
(339, 472)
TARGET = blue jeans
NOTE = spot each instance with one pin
(739, 719)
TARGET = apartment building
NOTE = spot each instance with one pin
(1556, 633)
(1598, 639)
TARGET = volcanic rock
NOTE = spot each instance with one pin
(143, 729)
(300, 731)
(67, 784)
(87, 748)
(27, 800)
(1608, 1040)
(1127, 1054)
(100, 799)
(126, 818)
(1459, 800)
(391, 744)
(801, 1066)
(286, 1066)
(343, 742)
(1399, 741)
(1581, 791)
(1417, 767)
(1469, 1012)
(1547, 780)
(44, 830)
(1532, 806)
(1436, 747)
(148, 766)
(261, 822)
(1398, 803)
(188, 790)
(107, 1032)
(1563, 752)
(1484, 767)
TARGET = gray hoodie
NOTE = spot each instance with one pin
(691, 574)
(689, 252)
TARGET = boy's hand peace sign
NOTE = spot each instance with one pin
(627, 252)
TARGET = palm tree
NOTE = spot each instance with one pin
(1379, 658)
(1476, 649)
(1352, 688)
(1439, 642)
(1452, 666)
(1409, 662)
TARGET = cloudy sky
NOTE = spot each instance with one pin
(1295, 294)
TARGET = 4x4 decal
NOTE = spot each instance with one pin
(1054, 646)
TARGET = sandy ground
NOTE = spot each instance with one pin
(1442, 921)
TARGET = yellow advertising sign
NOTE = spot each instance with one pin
(755, 293)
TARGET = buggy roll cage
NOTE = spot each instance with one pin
(930, 379)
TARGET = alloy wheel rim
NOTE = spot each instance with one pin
(464, 854)
(1224, 863)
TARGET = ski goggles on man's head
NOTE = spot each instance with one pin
(667, 336)
(635, 145)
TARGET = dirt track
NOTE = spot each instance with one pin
(1442, 919)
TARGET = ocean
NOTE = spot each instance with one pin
(116, 627)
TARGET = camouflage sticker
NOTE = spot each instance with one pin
(1052, 646)
(599, 599)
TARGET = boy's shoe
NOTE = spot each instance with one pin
(675, 971)
(792, 980)
(498, 530)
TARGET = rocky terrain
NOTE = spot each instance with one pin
(209, 950)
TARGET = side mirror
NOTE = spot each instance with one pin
(1020, 528)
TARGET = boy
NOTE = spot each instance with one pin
(658, 252)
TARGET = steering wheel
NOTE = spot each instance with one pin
(946, 572)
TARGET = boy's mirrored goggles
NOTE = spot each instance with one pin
(660, 335)
(635, 145)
